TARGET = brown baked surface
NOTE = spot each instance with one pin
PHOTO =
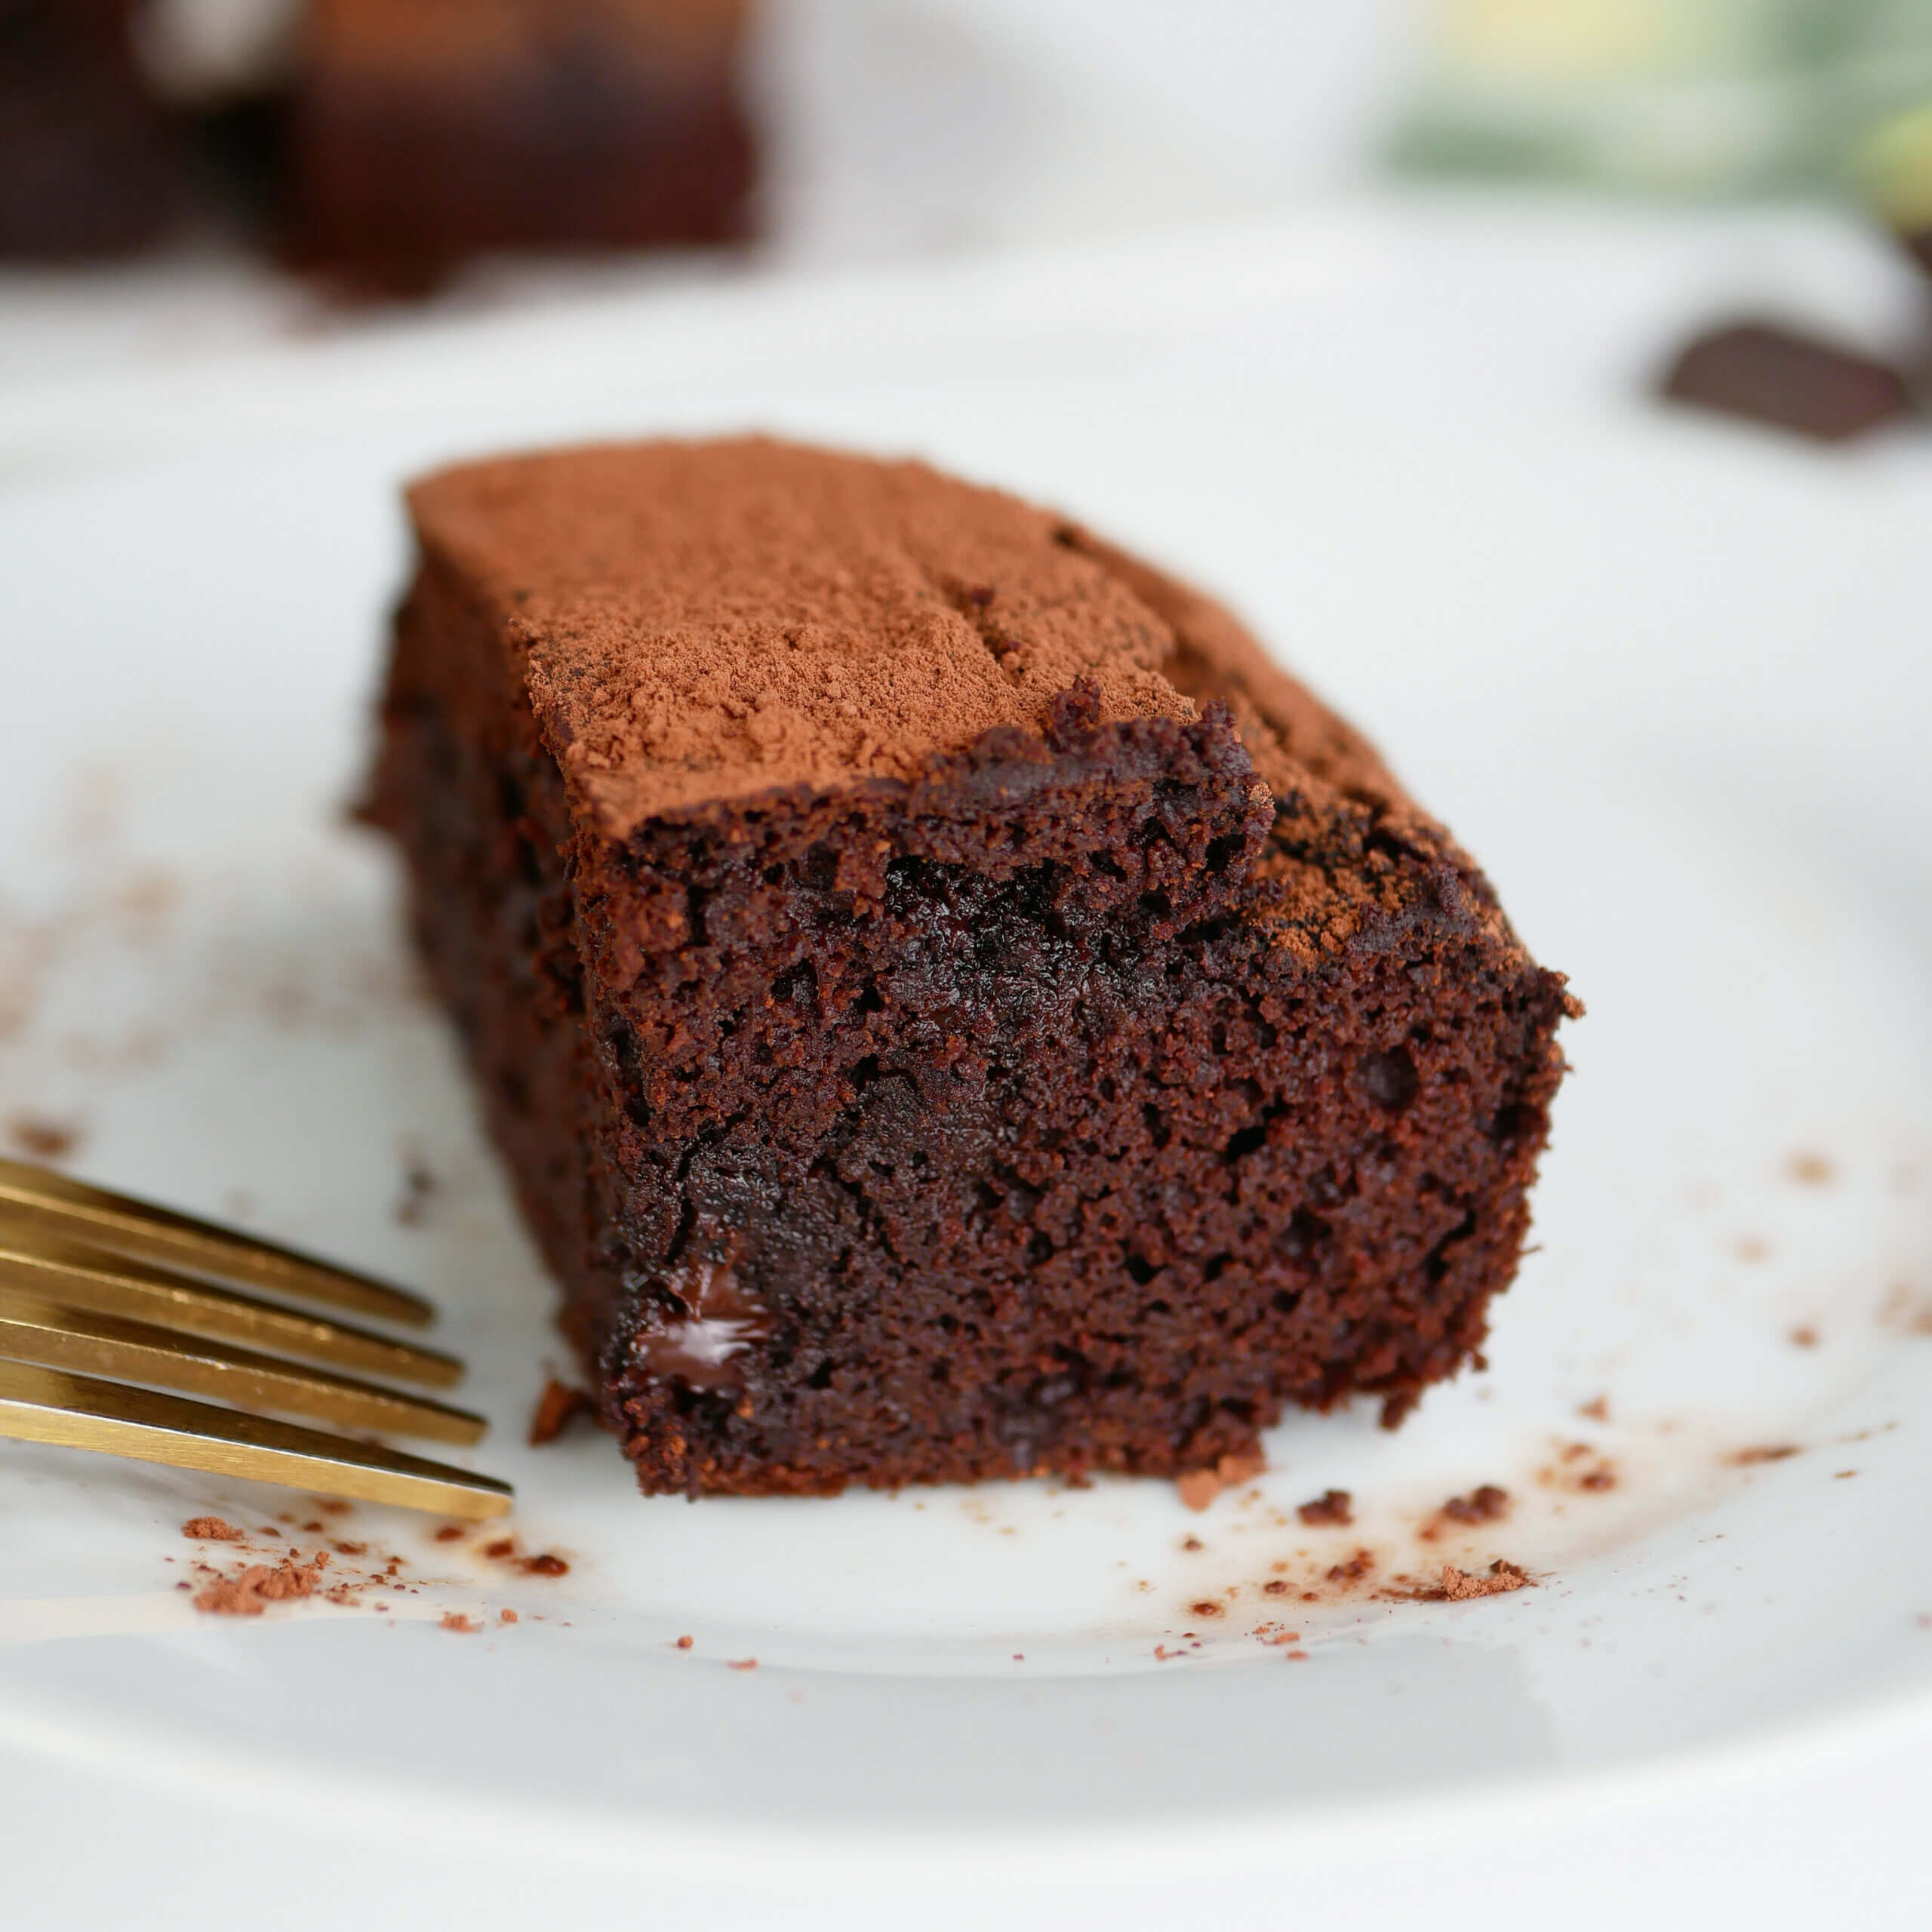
(951, 1007)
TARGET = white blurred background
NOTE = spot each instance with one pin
(896, 130)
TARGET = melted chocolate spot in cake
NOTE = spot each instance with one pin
(702, 1346)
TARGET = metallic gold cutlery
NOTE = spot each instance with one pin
(105, 1302)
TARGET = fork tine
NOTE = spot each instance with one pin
(51, 1203)
(78, 1412)
(33, 1330)
(84, 1278)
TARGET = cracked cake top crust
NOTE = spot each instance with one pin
(702, 623)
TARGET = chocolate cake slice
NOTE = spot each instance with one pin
(426, 134)
(950, 1006)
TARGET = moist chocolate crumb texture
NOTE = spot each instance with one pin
(950, 1006)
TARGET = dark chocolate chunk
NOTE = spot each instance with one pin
(1770, 374)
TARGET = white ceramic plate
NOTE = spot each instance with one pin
(1667, 679)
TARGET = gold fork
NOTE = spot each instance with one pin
(94, 1285)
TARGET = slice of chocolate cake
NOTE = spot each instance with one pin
(424, 134)
(950, 1006)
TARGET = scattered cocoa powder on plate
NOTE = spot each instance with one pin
(1459, 1584)
(1199, 1487)
(455, 1620)
(1485, 1503)
(1333, 1507)
(250, 1593)
(557, 1408)
(41, 1138)
(210, 1529)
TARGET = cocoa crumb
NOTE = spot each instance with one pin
(1597, 1409)
(455, 1620)
(1206, 1607)
(450, 1533)
(210, 1529)
(502, 1547)
(545, 1565)
(334, 1505)
(1355, 1569)
(1459, 1584)
(1276, 1588)
(507, 1616)
(40, 1138)
(251, 1591)
(1197, 1488)
(1810, 1170)
(743, 1663)
(1598, 1480)
(419, 1187)
(557, 1408)
(1804, 1337)
(684, 1643)
(1486, 1503)
(1192, 1545)
(1744, 1459)
(1334, 1508)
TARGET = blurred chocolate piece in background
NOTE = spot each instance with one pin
(426, 134)
(1767, 374)
(385, 141)
(89, 160)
